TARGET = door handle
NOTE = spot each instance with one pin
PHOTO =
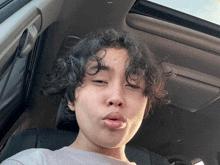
(29, 42)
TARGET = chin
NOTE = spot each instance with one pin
(113, 143)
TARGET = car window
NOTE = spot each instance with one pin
(9, 7)
(207, 10)
(4, 3)
(177, 14)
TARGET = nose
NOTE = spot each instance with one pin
(115, 102)
(116, 97)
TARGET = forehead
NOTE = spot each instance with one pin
(114, 55)
(112, 59)
(110, 55)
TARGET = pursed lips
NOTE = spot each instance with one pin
(115, 120)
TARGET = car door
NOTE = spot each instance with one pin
(23, 25)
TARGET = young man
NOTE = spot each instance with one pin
(110, 81)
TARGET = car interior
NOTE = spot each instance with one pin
(35, 33)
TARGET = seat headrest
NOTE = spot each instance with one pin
(66, 119)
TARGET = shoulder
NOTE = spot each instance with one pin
(30, 156)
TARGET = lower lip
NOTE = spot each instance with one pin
(114, 124)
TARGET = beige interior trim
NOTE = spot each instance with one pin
(191, 74)
(174, 32)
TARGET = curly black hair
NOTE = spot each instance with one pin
(68, 72)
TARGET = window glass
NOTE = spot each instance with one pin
(200, 163)
(9, 7)
(208, 10)
(3, 3)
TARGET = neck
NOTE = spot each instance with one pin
(83, 143)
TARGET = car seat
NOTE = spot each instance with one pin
(54, 139)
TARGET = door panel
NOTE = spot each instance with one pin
(35, 14)
(21, 29)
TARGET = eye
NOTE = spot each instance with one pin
(133, 86)
(99, 81)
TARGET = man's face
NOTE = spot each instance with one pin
(109, 111)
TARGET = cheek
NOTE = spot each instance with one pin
(138, 100)
(138, 108)
(136, 115)
(84, 115)
(85, 104)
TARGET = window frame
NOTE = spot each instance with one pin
(163, 13)
(9, 7)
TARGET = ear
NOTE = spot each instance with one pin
(71, 106)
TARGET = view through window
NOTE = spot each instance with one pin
(208, 10)
(200, 163)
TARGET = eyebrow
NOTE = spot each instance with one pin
(102, 67)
